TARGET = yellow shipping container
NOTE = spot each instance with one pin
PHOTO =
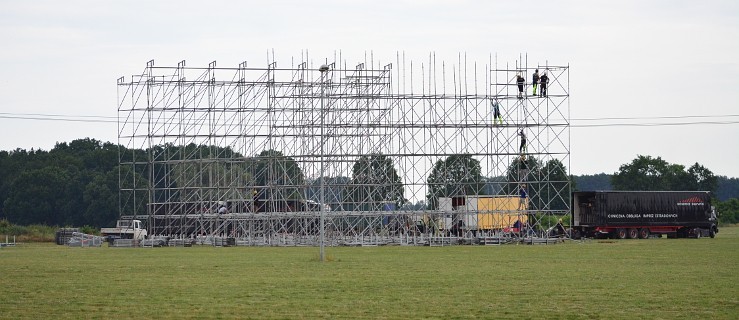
(499, 212)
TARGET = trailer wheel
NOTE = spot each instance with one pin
(633, 233)
(621, 233)
(644, 233)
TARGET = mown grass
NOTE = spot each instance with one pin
(656, 279)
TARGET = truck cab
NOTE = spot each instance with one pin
(125, 229)
(128, 224)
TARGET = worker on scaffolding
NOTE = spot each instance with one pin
(496, 112)
(535, 80)
(543, 80)
(522, 197)
(523, 170)
(223, 209)
(522, 148)
(520, 81)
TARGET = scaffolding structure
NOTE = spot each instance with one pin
(388, 153)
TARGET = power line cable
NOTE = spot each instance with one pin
(57, 119)
(56, 115)
(652, 124)
(103, 119)
(660, 117)
(574, 119)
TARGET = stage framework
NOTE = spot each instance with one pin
(410, 152)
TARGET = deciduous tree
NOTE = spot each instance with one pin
(375, 182)
(456, 175)
(650, 174)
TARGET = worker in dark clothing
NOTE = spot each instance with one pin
(535, 80)
(543, 81)
(523, 170)
(520, 81)
(522, 197)
(522, 148)
(517, 227)
(496, 112)
(559, 229)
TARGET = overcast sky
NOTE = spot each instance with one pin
(640, 59)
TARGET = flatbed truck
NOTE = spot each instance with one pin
(125, 229)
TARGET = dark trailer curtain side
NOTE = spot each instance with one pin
(641, 208)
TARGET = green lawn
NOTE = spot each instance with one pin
(646, 279)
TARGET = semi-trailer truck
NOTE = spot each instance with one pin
(641, 214)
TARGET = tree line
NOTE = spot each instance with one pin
(726, 189)
(77, 183)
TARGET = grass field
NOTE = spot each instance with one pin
(647, 279)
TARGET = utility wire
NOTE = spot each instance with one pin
(55, 119)
(661, 117)
(55, 115)
(109, 119)
(651, 124)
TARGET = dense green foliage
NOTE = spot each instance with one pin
(729, 211)
(270, 168)
(40, 187)
(522, 170)
(727, 188)
(374, 182)
(650, 279)
(556, 194)
(454, 176)
(553, 193)
(595, 182)
(77, 183)
(651, 174)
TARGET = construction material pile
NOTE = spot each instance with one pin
(80, 239)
